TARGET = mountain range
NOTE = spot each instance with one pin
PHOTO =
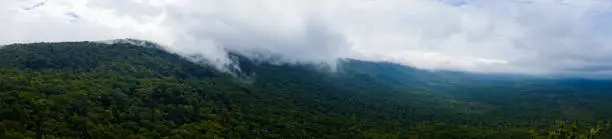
(135, 89)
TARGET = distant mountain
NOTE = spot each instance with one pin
(134, 89)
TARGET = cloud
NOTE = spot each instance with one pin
(518, 36)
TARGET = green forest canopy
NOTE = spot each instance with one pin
(96, 90)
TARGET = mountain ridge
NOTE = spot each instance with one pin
(261, 57)
(121, 90)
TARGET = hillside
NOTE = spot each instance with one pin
(125, 90)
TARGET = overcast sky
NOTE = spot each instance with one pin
(518, 36)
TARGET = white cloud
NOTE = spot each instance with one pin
(524, 36)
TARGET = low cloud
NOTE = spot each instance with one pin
(517, 36)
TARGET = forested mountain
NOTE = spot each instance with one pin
(127, 90)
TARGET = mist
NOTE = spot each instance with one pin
(566, 37)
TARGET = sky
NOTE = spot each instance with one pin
(565, 37)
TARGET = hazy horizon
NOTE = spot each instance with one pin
(534, 37)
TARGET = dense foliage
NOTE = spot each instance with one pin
(96, 90)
